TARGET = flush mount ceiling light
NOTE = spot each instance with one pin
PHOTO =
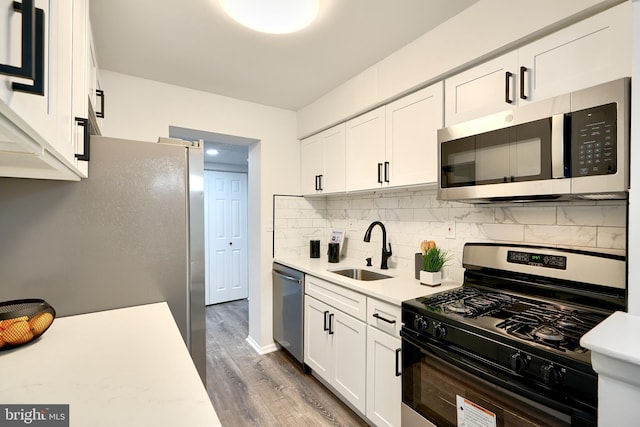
(272, 16)
(212, 152)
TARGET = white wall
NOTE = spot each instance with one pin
(143, 110)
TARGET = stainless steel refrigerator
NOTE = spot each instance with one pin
(132, 233)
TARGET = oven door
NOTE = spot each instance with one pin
(441, 388)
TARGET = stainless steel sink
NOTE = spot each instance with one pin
(361, 274)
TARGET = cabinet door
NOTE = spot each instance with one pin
(39, 111)
(79, 102)
(384, 387)
(366, 150)
(593, 51)
(334, 176)
(317, 341)
(93, 84)
(412, 137)
(482, 90)
(311, 164)
(349, 358)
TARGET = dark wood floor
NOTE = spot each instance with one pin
(248, 389)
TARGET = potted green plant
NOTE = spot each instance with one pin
(433, 259)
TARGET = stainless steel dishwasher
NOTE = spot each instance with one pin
(288, 294)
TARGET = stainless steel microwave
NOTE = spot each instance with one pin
(570, 146)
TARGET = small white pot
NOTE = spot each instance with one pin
(430, 278)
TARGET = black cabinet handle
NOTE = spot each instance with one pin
(380, 173)
(386, 171)
(100, 94)
(325, 327)
(507, 87)
(398, 372)
(37, 88)
(331, 324)
(320, 182)
(317, 187)
(377, 316)
(28, 32)
(522, 71)
(86, 136)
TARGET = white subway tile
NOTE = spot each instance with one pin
(561, 235)
(612, 237)
(611, 216)
(541, 215)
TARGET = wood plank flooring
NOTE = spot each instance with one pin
(248, 389)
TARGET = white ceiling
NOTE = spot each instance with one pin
(192, 43)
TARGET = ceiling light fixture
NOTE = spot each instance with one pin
(212, 152)
(272, 16)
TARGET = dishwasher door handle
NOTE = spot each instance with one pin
(289, 278)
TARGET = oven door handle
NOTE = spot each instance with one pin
(465, 358)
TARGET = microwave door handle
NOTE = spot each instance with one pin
(558, 147)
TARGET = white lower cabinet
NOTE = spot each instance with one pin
(335, 349)
(384, 363)
(352, 342)
(384, 381)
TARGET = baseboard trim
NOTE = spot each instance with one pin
(261, 350)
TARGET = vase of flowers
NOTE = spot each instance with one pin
(433, 259)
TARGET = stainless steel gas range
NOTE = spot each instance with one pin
(504, 349)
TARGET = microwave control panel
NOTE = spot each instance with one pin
(593, 141)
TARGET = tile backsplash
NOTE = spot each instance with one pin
(411, 216)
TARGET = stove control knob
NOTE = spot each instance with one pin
(439, 330)
(551, 375)
(420, 324)
(518, 362)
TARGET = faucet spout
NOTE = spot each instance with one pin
(385, 254)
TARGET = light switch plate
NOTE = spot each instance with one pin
(451, 229)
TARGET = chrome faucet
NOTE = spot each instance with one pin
(385, 254)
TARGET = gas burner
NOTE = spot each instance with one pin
(568, 322)
(457, 306)
(548, 333)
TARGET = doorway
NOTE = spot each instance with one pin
(225, 154)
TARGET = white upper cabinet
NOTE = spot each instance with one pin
(322, 162)
(38, 107)
(366, 151)
(487, 88)
(94, 88)
(396, 144)
(592, 51)
(412, 125)
(36, 129)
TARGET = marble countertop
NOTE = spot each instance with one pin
(402, 286)
(124, 367)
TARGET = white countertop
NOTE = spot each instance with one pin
(403, 286)
(125, 367)
(618, 336)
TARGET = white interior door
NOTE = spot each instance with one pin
(226, 236)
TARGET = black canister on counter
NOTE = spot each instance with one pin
(334, 252)
(314, 248)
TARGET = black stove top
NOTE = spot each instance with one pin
(558, 327)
